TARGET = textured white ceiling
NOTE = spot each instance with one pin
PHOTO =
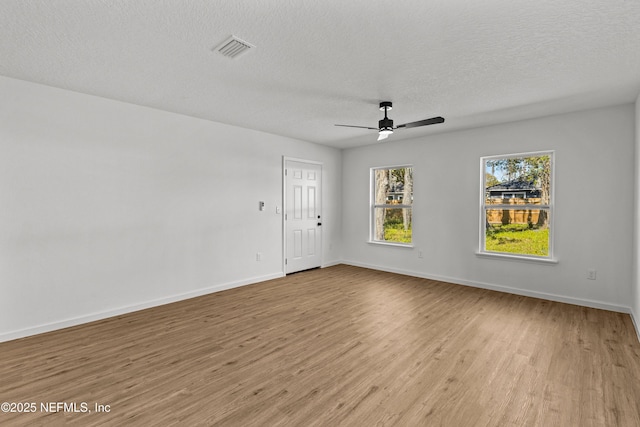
(317, 63)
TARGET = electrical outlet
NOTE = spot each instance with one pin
(591, 274)
(259, 256)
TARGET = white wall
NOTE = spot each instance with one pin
(635, 300)
(593, 217)
(107, 206)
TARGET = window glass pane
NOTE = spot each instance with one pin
(393, 224)
(517, 231)
(394, 186)
(522, 180)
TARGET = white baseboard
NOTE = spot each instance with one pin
(634, 319)
(331, 263)
(8, 336)
(500, 288)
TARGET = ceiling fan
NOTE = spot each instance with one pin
(386, 128)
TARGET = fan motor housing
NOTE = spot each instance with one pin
(386, 124)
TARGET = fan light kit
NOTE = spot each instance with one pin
(386, 128)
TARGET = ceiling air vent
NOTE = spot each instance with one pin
(233, 47)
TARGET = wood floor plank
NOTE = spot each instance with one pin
(336, 346)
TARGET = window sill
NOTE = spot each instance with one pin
(498, 255)
(400, 245)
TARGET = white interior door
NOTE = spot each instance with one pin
(303, 220)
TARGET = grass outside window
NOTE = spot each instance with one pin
(517, 239)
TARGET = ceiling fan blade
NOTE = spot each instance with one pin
(431, 121)
(361, 127)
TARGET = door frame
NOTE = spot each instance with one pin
(286, 159)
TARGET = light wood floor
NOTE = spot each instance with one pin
(337, 346)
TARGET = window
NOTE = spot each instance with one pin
(391, 207)
(517, 205)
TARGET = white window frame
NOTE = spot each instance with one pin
(373, 206)
(550, 258)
